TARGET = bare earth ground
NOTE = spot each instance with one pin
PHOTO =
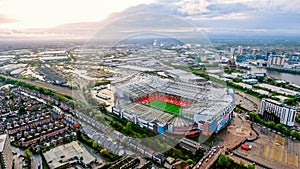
(233, 135)
(273, 150)
(236, 132)
(269, 149)
(247, 101)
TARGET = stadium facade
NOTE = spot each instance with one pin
(179, 106)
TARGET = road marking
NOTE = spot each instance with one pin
(278, 148)
(296, 161)
(291, 159)
(279, 139)
(266, 152)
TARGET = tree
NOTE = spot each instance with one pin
(297, 135)
(293, 133)
(22, 110)
(250, 167)
(291, 101)
(237, 80)
(261, 79)
(12, 107)
(128, 127)
(103, 151)
(284, 130)
(94, 144)
(27, 153)
(68, 140)
(298, 118)
(271, 124)
(224, 161)
(278, 127)
(190, 161)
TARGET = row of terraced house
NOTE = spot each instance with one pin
(32, 123)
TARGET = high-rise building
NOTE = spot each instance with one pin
(232, 52)
(276, 60)
(272, 110)
(254, 53)
(6, 156)
(240, 49)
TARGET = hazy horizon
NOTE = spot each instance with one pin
(80, 20)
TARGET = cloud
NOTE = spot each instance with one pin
(277, 17)
(20, 34)
(219, 17)
(193, 7)
(49, 13)
(222, 7)
(4, 19)
(145, 23)
(274, 5)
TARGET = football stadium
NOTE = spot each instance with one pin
(167, 105)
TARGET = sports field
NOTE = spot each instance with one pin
(165, 106)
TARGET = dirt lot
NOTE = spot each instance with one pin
(232, 135)
(236, 132)
(273, 150)
(247, 101)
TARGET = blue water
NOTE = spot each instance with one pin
(292, 78)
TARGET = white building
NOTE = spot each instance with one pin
(6, 156)
(240, 49)
(277, 60)
(279, 113)
(279, 89)
(244, 85)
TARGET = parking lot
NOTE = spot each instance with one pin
(273, 149)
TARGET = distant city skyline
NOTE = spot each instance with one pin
(80, 19)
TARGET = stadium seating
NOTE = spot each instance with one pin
(165, 98)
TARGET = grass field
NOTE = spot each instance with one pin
(165, 106)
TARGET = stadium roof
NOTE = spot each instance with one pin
(141, 86)
(151, 114)
(184, 75)
(209, 101)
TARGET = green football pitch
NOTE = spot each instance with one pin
(165, 106)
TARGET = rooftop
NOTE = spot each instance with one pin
(184, 75)
(279, 103)
(61, 155)
(279, 89)
(2, 141)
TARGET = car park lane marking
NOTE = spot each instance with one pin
(266, 152)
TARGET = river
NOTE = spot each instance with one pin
(292, 78)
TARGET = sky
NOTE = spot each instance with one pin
(82, 18)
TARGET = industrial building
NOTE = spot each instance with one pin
(64, 155)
